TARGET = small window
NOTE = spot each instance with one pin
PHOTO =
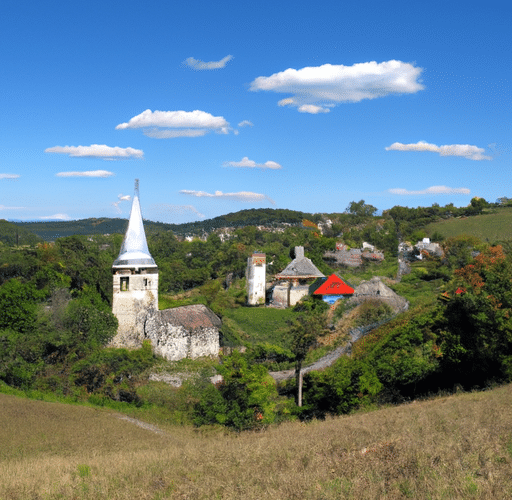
(124, 284)
(145, 282)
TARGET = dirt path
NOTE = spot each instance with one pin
(331, 357)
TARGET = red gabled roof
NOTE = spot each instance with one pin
(334, 285)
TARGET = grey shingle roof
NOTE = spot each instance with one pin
(300, 267)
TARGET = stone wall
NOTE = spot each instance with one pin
(133, 295)
(286, 295)
(183, 332)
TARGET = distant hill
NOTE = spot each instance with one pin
(12, 234)
(50, 231)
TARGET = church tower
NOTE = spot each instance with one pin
(135, 281)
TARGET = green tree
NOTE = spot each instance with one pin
(304, 332)
(477, 331)
(246, 398)
(360, 209)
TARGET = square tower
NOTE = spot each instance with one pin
(135, 281)
(256, 279)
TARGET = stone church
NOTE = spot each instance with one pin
(188, 331)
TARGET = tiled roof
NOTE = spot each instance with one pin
(191, 317)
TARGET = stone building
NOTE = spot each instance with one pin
(135, 280)
(190, 331)
(294, 280)
(256, 279)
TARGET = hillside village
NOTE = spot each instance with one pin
(273, 297)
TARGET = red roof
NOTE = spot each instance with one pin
(334, 285)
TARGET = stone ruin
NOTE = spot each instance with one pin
(376, 289)
(189, 331)
(353, 257)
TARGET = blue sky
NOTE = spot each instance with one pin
(222, 106)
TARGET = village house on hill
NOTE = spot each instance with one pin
(189, 331)
(294, 280)
(331, 289)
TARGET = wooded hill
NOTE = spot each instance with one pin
(406, 219)
(50, 231)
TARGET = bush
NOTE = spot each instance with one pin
(113, 372)
(246, 398)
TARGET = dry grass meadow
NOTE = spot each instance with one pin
(455, 447)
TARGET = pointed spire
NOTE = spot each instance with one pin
(134, 250)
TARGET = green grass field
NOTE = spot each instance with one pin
(490, 227)
(262, 324)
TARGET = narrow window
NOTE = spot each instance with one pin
(145, 282)
(124, 284)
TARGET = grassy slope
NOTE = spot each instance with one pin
(451, 447)
(494, 226)
(262, 324)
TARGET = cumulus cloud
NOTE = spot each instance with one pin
(465, 150)
(171, 124)
(156, 133)
(97, 151)
(56, 217)
(87, 173)
(9, 176)
(240, 196)
(312, 109)
(120, 198)
(200, 65)
(316, 89)
(246, 163)
(431, 190)
(246, 123)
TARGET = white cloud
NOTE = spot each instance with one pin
(200, 65)
(465, 150)
(120, 198)
(315, 89)
(56, 217)
(246, 123)
(88, 173)
(156, 133)
(246, 163)
(171, 124)
(240, 196)
(3, 207)
(97, 151)
(431, 190)
(9, 176)
(164, 210)
(312, 109)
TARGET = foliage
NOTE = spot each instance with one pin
(113, 372)
(246, 398)
(271, 356)
(477, 331)
(360, 209)
(372, 311)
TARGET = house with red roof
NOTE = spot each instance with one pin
(330, 289)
